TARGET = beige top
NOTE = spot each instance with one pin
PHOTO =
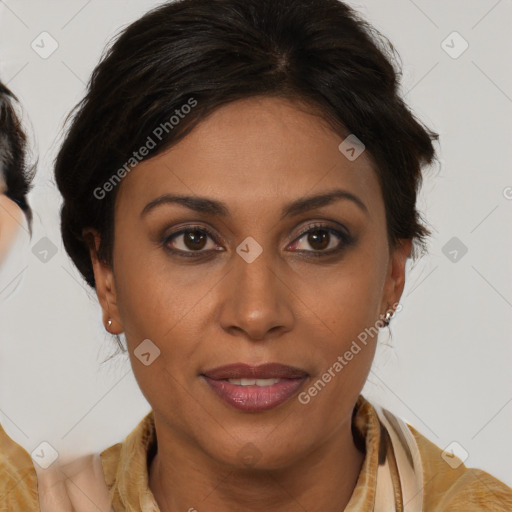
(402, 471)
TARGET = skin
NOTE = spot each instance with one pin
(11, 216)
(256, 155)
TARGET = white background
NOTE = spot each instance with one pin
(447, 369)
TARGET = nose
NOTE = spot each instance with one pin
(256, 300)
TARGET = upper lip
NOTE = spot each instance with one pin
(247, 371)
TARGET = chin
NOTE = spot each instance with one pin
(256, 452)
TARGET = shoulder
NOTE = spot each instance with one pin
(110, 459)
(133, 452)
(451, 486)
(18, 480)
(125, 467)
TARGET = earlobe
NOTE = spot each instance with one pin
(105, 285)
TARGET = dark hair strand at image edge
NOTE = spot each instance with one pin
(15, 174)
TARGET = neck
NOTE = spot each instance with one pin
(183, 478)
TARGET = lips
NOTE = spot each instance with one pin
(255, 388)
(264, 371)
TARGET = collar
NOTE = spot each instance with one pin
(390, 475)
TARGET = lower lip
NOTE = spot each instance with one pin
(255, 398)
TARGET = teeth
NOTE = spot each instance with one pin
(254, 382)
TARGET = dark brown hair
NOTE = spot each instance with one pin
(218, 51)
(14, 170)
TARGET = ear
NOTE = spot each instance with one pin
(395, 278)
(105, 284)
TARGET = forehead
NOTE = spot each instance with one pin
(251, 153)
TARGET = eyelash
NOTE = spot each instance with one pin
(345, 241)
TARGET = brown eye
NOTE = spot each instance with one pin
(321, 239)
(194, 240)
(189, 240)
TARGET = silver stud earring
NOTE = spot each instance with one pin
(109, 323)
(388, 318)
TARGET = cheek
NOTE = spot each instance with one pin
(158, 306)
(149, 298)
(346, 308)
(167, 304)
(154, 307)
(351, 293)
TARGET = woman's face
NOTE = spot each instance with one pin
(246, 284)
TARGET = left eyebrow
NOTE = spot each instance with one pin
(220, 209)
(312, 202)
